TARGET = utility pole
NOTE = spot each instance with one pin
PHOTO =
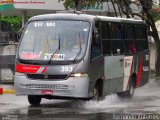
(0, 23)
(78, 5)
(0, 48)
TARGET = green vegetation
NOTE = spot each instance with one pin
(69, 4)
(156, 15)
(13, 21)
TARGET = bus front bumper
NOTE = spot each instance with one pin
(75, 87)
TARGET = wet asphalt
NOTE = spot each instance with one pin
(144, 105)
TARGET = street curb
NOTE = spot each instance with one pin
(7, 82)
(6, 91)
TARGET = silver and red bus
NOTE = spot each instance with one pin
(73, 55)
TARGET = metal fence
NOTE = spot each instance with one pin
(7, 61)
(8, 37)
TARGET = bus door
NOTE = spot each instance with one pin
(114, 72)
(113, 50)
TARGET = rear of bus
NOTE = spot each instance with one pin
(51, 56)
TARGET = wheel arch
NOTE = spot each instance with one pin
(134, 78)
(99, 84)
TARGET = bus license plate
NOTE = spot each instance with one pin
(47, 92)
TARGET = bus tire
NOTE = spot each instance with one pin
(129, 93)
(96, 95)
(34, 100)
(97, 91)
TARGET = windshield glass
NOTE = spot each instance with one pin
(57, 40)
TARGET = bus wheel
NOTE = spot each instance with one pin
(34, 99)
(129, 93)
(96, 93)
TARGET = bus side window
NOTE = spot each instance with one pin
(131, 46)
(118, 47)
(96, 43)
(129, 37)
(106, 42)
(141, 39)
(116, 31)
(107, 50)
(117, 41)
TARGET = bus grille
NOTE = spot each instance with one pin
(44, 86)
(40, 76)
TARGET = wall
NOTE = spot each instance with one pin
(153, 56)
(5, 53)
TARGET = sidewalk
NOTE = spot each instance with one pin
(7, 86)
(10, 82)
(153, 76)
(7, 89)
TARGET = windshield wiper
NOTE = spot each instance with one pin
(80, 46)
(56, 51)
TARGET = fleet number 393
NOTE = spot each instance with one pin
(66, 69)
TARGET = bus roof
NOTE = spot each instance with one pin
(77, 16)
(116, 19)
(65, 16)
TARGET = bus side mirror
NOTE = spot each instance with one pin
(19, 33)
(96, 37)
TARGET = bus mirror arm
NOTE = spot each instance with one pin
(96, 36)
(19, 33)
(79, 51)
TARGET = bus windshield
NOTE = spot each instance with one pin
(55, 40)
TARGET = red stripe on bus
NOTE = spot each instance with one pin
(139, 73)
(130, 73)
(44, 70)
(27, 68)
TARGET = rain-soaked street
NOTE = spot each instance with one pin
(146, 101)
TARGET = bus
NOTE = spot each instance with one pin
(80, 56)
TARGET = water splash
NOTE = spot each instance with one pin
(111, 101)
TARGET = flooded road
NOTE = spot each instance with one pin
(145, 102)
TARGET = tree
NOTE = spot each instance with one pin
(11, 21)
(78, 4)
(147, 15)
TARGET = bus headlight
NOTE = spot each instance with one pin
(20, 74)
(79, 75)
